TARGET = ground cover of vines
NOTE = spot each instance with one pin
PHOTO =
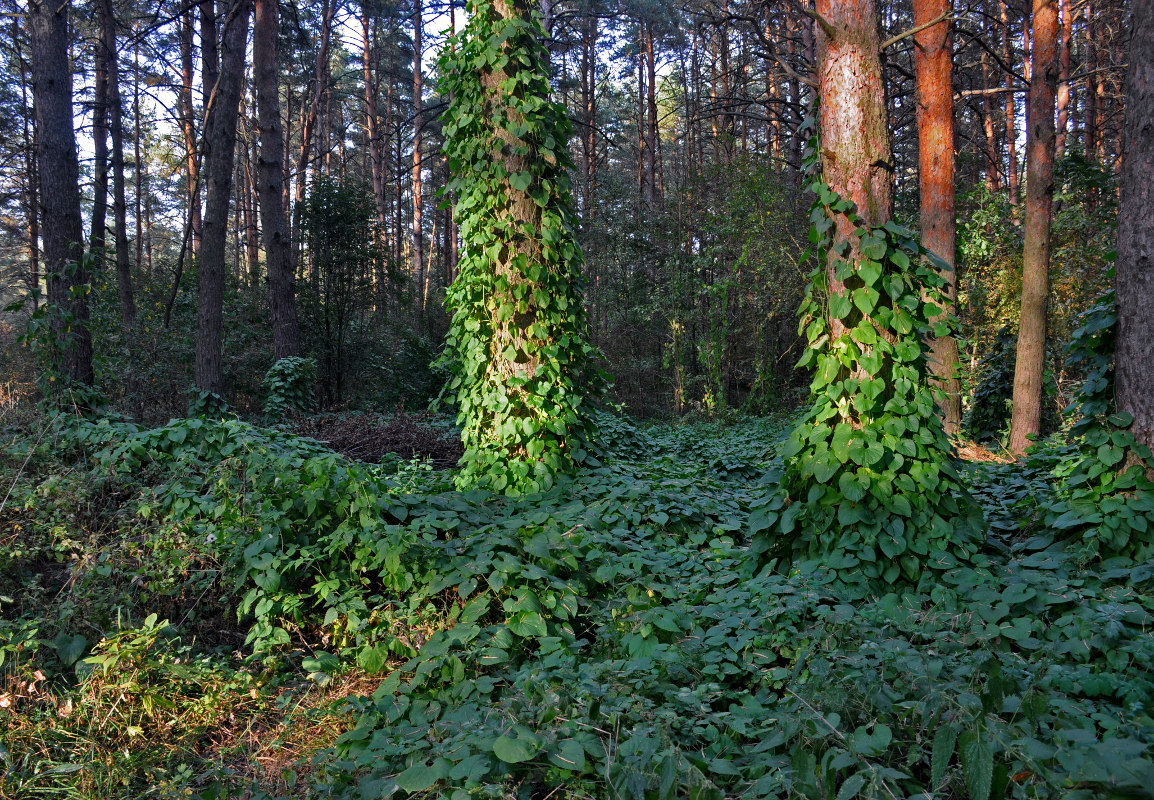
(216, 609)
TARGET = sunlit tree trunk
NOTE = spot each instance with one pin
(1067, 32)
(1026, 420)
(188, 127)
(1134, 356)
(59, 174)
(855, 144)
(935, 112)
(418, 130)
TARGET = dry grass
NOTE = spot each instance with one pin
(968, 450)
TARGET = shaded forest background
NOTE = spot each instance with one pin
(686, 183)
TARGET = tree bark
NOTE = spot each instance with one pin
(188, 128)
(105, 48)
(31, 174)
(116, 126)
(1067, 32)
(1026, 420)
(220, 144)
(418, 130)
(269, 181)
(855, 144)
(59, 174)
(935, 112)
(1134, 355)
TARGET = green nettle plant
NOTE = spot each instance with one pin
(869, 488)
(519, 336)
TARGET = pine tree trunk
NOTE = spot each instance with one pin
(31, 174)
(418, 115)
(269, 181)
(855, 142)
(103, 50)
(935, 112)
(119, 203)
(1040, 135)
(188, 127)
(59, 175)
(1067, 29)
(1134, 356)
(220, 145)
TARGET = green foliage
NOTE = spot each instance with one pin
(1104, 492)
(517, 297)
(609, 640)
(988, 416)
(870, 490)
(289, 386)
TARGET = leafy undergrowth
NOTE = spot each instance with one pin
(608, 639)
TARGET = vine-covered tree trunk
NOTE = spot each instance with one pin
(220, 145)
(269, 183)
(1134, 356)
(59, 174)
(1026, 420)
(855, 143)
(935, 112)
(519, 332)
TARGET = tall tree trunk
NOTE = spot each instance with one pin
(119, 204)
(308, 127)
(31, 174)
(1067, 32)
(418, 131)
(1040, 134)
(651, 91)
(188, 127)
(855, 142)
(105, 49)
(269, 180)
(935, 111)
(59, 174)
(373, 122)
(1011, 111)
(137, 156)
(1093, 83)
(1134, 355)
(220, 144)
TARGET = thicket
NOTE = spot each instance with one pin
(612, 637)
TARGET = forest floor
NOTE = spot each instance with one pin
(214, 609)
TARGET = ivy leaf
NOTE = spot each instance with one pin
(421, 776)
(866, 299)
(521, 180)
(570, 755)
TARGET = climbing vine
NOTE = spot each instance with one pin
(1104, 497)
(524, 367)
(869, 485)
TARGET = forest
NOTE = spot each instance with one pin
(577, 399)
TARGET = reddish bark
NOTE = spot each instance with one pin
(935, 110)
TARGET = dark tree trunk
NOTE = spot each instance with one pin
(31, 174)
(269, 182)
(104, 50)
(935, 112)
(220, 143)
(1040, 134)
(1134, 357)
(116, 126)
(60, 189)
